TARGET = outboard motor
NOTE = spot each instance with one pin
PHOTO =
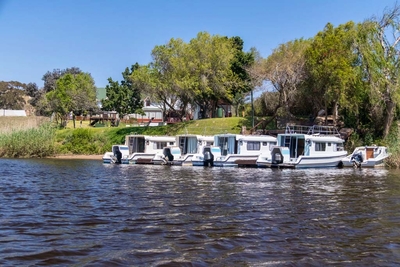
(277, 157)
(357, 159)
(118, 156)
(168, 155)
(208, 157)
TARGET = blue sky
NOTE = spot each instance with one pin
(104, 37)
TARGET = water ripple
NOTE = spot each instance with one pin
(84, 213)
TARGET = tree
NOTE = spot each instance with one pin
(125, 97)
(182, 75)
(209, 62)
(12, 95)
(50, 78)
(285, 70)
(378, 44)
(41, 101)
(332, 73)
(33, 91)
(241, 62)
(73, 93)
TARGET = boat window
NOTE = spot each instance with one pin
(339, 147)
(171, 143)
(215, 150)
(159, 145)
(320, 146)
(265, 143)
(123, 148)
(209, 143)
(251, 145)
(329, 144)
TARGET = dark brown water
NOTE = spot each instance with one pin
(84, 213)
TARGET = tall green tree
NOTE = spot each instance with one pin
(209, 61)
(332, 73)
(378, 44)
(73, 93)
(187, 74)
(241, 63)
(123, 97)
(50, 78)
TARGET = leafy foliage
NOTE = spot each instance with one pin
(378, 44)
(73, 92)
(125, 97)
(332, 69)
(199, 73)
(11, 95)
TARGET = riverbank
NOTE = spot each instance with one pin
(73, 156)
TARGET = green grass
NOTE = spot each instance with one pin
(92, 140)
(21, 138)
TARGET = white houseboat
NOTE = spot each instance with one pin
(366, 157)
(241, 150)
(305, 147)
(143, 148)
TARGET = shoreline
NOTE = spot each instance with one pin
(77, 156)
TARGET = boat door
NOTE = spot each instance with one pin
(188, 144)
(136, 144)
(295, 143)
(369, 152)
(227, 143)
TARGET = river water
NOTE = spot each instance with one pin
(82, 213)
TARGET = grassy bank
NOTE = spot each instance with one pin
(34, 137)
(89, 140)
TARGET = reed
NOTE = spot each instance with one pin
(10, 124)
(36, 142)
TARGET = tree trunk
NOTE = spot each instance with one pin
(390, 110)
(335, 112)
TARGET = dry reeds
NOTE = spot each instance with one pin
(10, 124)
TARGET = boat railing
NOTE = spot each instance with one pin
(313, 130)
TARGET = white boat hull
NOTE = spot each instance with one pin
(305, 162)
(236, 161)
(139, 158)
(371, 157)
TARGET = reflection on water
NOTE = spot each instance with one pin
(84, 213)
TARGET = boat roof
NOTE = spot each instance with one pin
(315, 138)
(264, 138)
(249, 137)
(313, 130)
(206, 137)
(161, 138)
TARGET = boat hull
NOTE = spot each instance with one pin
(237, 161)
(366, 157)
(305, 162)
